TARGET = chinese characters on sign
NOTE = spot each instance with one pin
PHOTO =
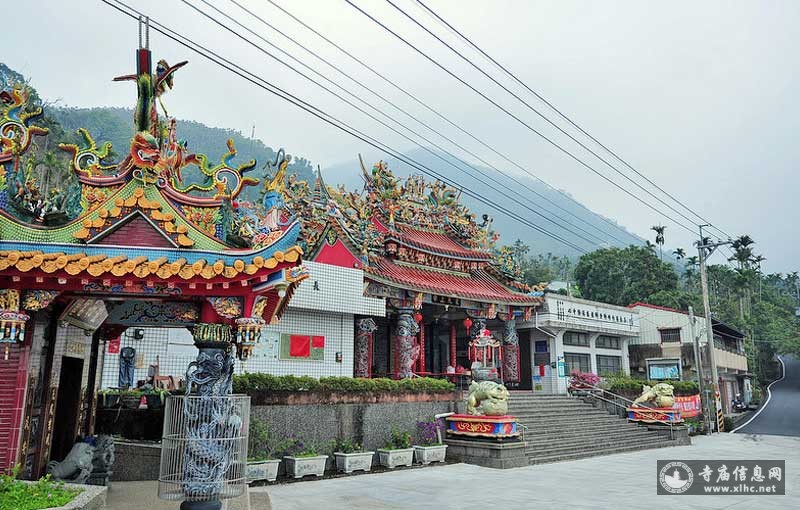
(721, 477)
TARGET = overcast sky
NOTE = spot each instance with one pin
(698, 96)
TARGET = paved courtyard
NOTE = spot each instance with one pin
(611, 482)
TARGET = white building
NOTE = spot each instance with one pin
(569, 333)
(664, 350)
(323, 308)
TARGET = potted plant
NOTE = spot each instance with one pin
(350, 456)
(108, 398)
(260, 464)
(304, 459)
(429, 447)
(583, 381)
(398, 451)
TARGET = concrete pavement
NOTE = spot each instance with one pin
(781, 414)
(610, 482)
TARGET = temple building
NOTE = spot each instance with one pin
(438, 269)
(128, 243)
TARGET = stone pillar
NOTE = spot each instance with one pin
(406, 349)
(478, 324)
(453, 355)
(210, 377)
(363, 354)
(421, 343)
(511, 372)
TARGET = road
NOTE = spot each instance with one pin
(780, 416)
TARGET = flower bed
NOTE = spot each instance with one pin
(19, 495)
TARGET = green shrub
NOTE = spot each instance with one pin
(400, 439)
(259, 441)
(620, 384)
(345, 446)
(16, 495)
(256, 383)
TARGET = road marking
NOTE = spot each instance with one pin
(769, 396)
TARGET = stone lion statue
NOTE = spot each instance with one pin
(487, 398)
(659, 395)
(76, 467)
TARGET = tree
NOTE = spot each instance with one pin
(679, 253)
(623, 276)
(659, 230)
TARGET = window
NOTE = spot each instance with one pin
(670, 335)
(608, 364)
(579, 362)
(574, 338)
(607, 342)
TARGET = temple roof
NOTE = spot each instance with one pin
(477, 285)
(436, 242)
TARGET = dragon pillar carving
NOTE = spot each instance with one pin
(366, 328)
(405, 343)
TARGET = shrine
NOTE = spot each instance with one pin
(133, 242)
(438, 268)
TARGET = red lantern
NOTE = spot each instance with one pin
(418, 317)
(468, 323)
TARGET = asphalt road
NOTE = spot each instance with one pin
(781, 415)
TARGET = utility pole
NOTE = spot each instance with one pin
(705, 250)
(698, 363)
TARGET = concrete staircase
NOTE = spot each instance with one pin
(560, 427)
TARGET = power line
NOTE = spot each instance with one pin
(525, 124)
(414, 118)
(377, 73)
(320, 114)
(562, 115)
(233, 20)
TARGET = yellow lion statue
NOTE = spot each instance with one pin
(659, 395)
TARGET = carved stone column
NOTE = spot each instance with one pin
(363, 354)
(511, 372)
(209, 420)
(406, 350)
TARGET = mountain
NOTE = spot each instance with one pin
(598, 230)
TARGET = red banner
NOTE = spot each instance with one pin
(689, 405)
(113, 346)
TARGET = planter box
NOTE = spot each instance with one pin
(262, 470)
(130, 401)
(349, 462)
(394, 458)
(109, 400)
(427, 454)
(154, 402)
(298, 467)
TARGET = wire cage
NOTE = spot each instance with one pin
(204, 448)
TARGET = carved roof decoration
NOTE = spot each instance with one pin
(412, 234)
(140, 218)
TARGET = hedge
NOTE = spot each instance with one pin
(256, 383)
(630, 385)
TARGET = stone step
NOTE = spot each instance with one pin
(581, 429)
(567, 406)
(554, 411)
(563, 418)
(558, 457)
(590, 441)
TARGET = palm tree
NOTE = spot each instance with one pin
(659, 230)
(679, 253)
(650, 246)
(693, 261)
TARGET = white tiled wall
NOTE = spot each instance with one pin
(175, 350)
(335, 289)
